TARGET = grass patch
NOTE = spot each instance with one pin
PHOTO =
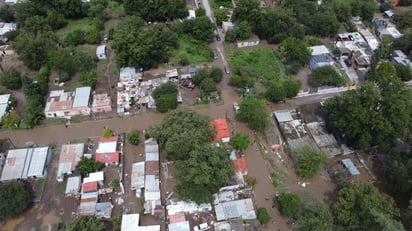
(278, 177)
(41, 183)
(116, 8)
(111, 24)
(197, 52)
(61, 186)
(260, 63)
(72, 25)
(218, 3)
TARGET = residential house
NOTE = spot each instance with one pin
(388, 14)
(26, 163)
(254, 41)
(130, 222)
(107, 152)
(5, 28)
(388, 32)
(95, 177)
(370, 39)
(62, 104)
(73, 186)
(192, 14)
(235, 209)
(70, 155)
(362, 59)
(102, 103)
(4, 104)
(222, 130)
(398, 57)
(152, 197)
(81, 102)
(131, 74)
(227, 26)
(321, 56)
(101, 52)
(240, 166)
(172, 74)
(138, 178)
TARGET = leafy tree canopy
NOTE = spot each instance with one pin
(253, 111)
(10, 120)
(133, 136)
(85, 224)
(239, 141)
(314, 216)
(295, 50)
(180, 131)
(16, 198)
(358, 207)
(288, 204)
(11, 79)
(207, 169)
(166, 97)
(263, 216)
(88, 165)
(310, 161)
(162, 10)
(326, 75)
(200, 28)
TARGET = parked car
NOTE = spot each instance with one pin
(348, 62)
(227, 70)
(215, 54)
(201, 227)
(236, 106)
(218, 37)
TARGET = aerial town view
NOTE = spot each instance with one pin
(205, 115)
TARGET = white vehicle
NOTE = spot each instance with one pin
(201, 227)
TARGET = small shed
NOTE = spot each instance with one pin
(351, 167)
(222, 130)
(73, 186)
(101, 52)
(241, 166)
(283, 116)
(227, 26)
(95, 177)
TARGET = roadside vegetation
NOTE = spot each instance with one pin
(16, 198)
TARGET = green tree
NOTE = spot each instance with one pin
(254, 112)
(201, 74)
(221, 16)
(263, 216)
(208, 85)
(200, 12)
(166, 97)
(207, 169)
(310, 161)
(133, 136)
(216, 74)
(399, 174)
(406, 216)
(6, 13)
(55, 20)
(11, 119)
(163, 10)
(288, 204)
(93, 36)
(314, 216)
(200, 28)
(291, 87)
(230, 36)
(107, 132)
(276, 24)
(385, 223)
(89, 78)
(180, 131)
(404, 72)
(295, 50)
(246, 10)
(33, 111)
(43, 79)
(116, 222)
(244, 30)
(85, 224)
(357, 206)
(36, 24)
(240, 141)
(11, 79)
(88, 165)
(326, 75)
(275, 92)
(33, 49)
(75, 38)
(16, 198)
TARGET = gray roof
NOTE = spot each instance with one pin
(152, 156)
(82, 97)
(351, 167)
(235, 209)
(73, 185)
(283, 116)
(181, 226)
(137, 181)
(101, 49)
(104, 210)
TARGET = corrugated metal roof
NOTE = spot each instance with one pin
(181, 226)
(283, 116)
(138, 171)
(82, 97)
(130, 222)
(69, 157)
(104, 210)
(38, 161)
(73, 185)
(152, 156)
(235, 209)
(351, 167)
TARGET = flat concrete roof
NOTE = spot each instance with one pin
(283, 116)
(82, 97)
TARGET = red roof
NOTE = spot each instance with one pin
(89, 187)
(112, 157)
(177, 218)
(108, 139)
(222, 130)
(240, 165)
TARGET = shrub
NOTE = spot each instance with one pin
(133, 137)
(310, 161)
(11, 79)
(288, 204)
(263, 216)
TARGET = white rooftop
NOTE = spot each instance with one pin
(82, 97)
(93, 177)
(101, 49)
(73, 185)
(187, 207)
(7, 27)
(130, 222)
(38, 161)
(319, 50)
(4, 103)
(106, 147)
